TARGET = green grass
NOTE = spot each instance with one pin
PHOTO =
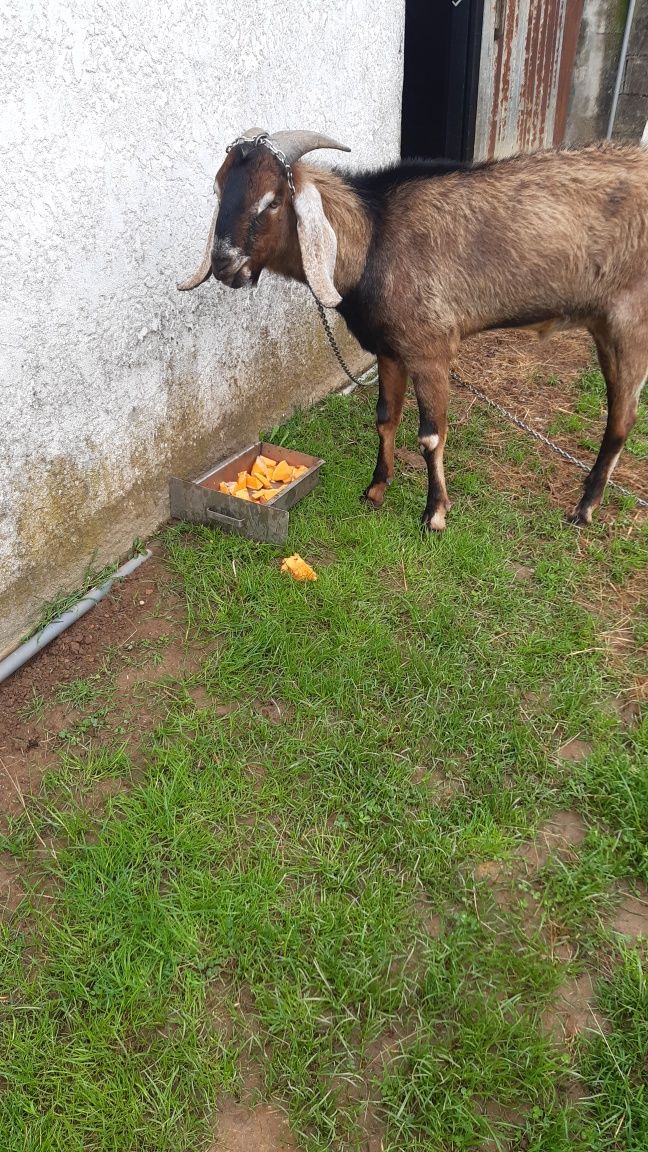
(93, 577)
(588, 419)
(302, 895)
(52, 609)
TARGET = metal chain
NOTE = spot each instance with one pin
(265, 141)
(539, 436)
(370, 376)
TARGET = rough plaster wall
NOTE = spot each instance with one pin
(115, 118)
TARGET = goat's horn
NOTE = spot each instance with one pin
(203, 272)
(252, 133)
(294, 145)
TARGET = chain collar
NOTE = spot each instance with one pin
(265, 141)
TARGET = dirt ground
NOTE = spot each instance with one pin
(513, 368)
(31, 718)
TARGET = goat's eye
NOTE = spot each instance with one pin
(274, 203)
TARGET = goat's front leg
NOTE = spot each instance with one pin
(431, 387)
(392, 381)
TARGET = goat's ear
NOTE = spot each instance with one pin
(318, 244)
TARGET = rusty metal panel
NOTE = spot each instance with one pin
(528, 49)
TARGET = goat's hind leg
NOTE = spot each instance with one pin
(623, 356)
(392, 381)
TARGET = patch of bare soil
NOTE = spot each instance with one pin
(441, 785)
(631, 917)
(102, 791)
(575, 750)
(276, 711)
(321, 556)
(11, 892)
(560, 835)
(20, 775)
(511, 1119)
(520, 571)
(628, 709)
(136, 638)
(413, 460)
(260, 1129)
(123, 615)
(431, 921)
(564, 831)
(359, 1090)
(572, 1011)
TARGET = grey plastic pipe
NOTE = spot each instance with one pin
(621, 68)
(24, 652)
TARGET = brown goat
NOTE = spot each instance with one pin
(418, 256)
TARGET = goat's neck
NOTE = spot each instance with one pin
(348, 219)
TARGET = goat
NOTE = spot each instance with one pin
(419, 255)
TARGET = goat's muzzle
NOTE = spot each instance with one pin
(232, 270)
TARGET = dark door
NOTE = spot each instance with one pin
(441, 72)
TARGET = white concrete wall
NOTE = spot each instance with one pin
(114, 120)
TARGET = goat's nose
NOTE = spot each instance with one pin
(220, 265)
(226, 260)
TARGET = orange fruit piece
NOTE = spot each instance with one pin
(299, 470)
(283, 472)
(226, 487)
(243, 494)
(254, 483)
(266, 463)
(260, 470)
(265, 495)
(298, 568)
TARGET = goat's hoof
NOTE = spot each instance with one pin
(434, 522)
(373, 497)
(579, 518)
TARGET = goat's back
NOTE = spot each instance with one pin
(551, 233)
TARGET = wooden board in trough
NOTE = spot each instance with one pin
(200, 500)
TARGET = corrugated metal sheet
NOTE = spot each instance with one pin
(527, 57)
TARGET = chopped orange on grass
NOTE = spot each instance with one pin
(298, 568)
(283, 472)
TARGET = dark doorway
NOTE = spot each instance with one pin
(441, 73)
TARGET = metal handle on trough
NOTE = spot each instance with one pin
(223, 518)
